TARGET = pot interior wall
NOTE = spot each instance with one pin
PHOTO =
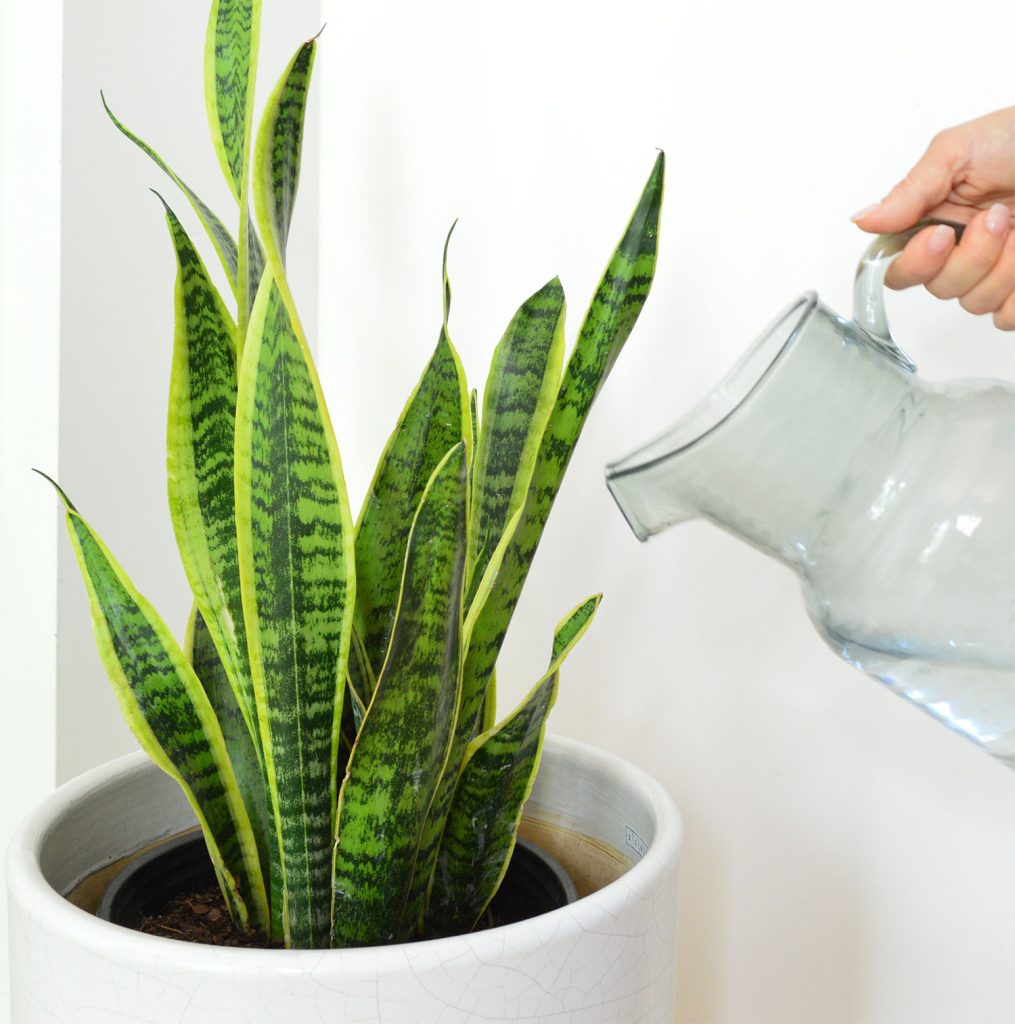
(595, 823)
(109, 823)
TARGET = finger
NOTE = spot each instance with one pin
(1004, 318)
(981, 247)
(923, 258)
(926, 186)
(995, 289)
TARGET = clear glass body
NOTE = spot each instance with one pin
(891, 498)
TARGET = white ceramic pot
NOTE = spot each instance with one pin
(609, 957)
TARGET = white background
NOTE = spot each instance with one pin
(847, 859)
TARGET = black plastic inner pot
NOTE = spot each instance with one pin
(535, 883)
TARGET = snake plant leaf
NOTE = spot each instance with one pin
(362, 678)
(221, 239)
(402, 747)
(445, 280)
(618, 301)
(431, 423)
(200, 435)
(277, 155)
(295, 543)
(169, 713)
(199, 648)
(474, 420)
(437, 816)
(230, 70)
(496, 779)
(519, 394)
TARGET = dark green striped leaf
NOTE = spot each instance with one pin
(403, 744)
(220, 237)
(295, 542)
(432, 421)
(277, 155)
(496, 779)
(199, 648)
(200, 436)
(615, 308)
(230, 71)
(169, 713)
(230, 68)
(519, 394)
(437, 815)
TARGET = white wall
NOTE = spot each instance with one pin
(118, 273)
(847, 859)
(29, 384)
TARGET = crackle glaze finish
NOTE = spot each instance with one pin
(609, 958)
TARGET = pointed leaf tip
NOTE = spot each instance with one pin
(161, 198)
(445, 280)
(59, 490)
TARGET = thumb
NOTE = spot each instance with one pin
(925, 187)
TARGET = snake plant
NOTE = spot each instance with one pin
(330, 714)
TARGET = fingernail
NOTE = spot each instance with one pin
(941, 239)
(860, 214)
(997, 219)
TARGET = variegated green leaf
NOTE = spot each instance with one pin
(277, 155)
(519, 394)
(430, 424)
(295, 542)
(219, 234)
(199, 647)
(169, 713)
(611, 316)
(254, 266)
(402, 746)
(474, 420)
(200, 436)
(362, 678)
(496, 779)
(230, 69)
(437, 815)
(230, 72)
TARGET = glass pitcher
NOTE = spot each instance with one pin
(893, 499)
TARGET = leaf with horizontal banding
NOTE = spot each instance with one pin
(430, 424)
(277, 155)
(230, 69)
(402, 746)
(437, 815)
(519, 394)
(297, 577)
(200, 436)
(496, 779)
(200, 650)
(608, 323)
(169, 713)
(219, 234)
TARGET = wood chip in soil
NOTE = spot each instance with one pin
(202, 917)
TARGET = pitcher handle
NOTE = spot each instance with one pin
(869, 287)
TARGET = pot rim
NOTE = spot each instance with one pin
(50, 910)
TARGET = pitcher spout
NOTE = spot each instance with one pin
(665, 482)
(649, 504)
(765, 454)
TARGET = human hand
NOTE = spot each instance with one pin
(967, 175)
